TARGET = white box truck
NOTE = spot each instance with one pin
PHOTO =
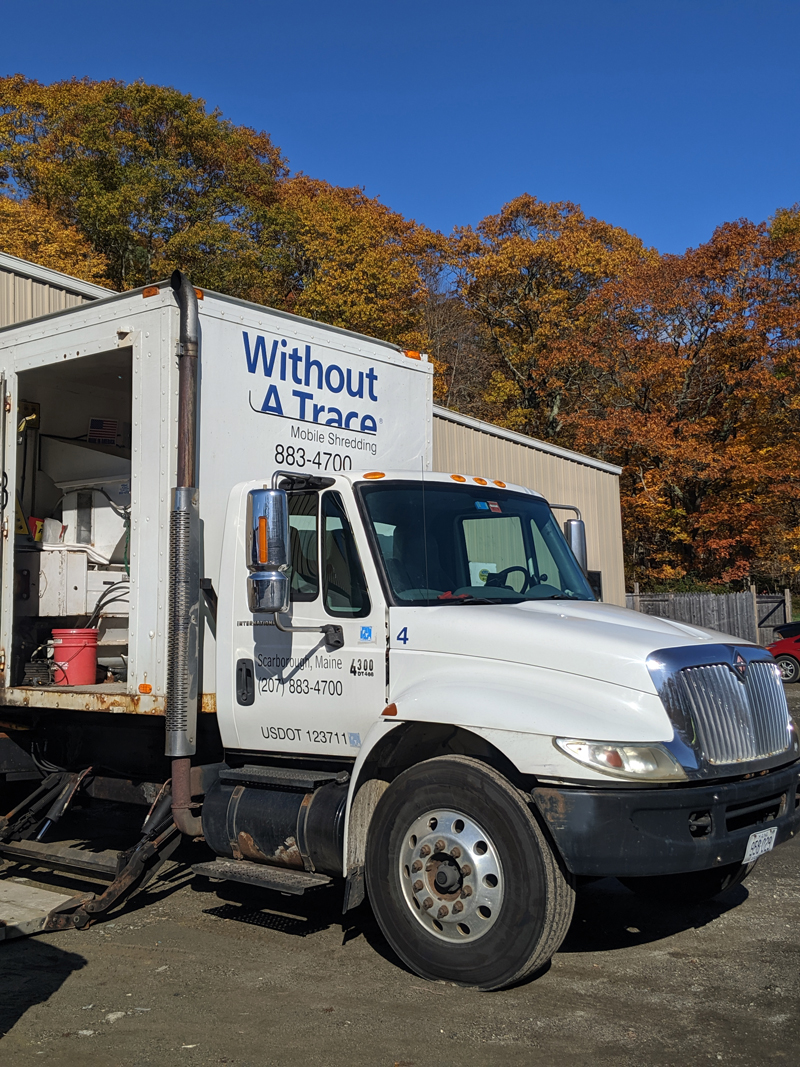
(367, 672)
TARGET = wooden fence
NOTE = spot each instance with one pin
(749, 615)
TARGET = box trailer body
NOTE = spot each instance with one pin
(387, 674)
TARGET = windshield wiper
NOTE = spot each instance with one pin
(468, 598)
(558, 596)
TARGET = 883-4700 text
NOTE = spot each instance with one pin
(289, 456)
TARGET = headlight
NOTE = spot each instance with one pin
(650, 762)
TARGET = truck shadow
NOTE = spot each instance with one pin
(608, 916)
(31, 972)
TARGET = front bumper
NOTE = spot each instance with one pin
(626, 833)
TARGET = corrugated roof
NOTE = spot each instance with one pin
(25, 269)
(521, 439)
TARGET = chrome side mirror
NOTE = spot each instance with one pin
(268, 551)
(575, 533)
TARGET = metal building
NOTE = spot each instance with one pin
(460, 444)
(28, 291)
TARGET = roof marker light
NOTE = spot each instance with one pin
(375, 474)
(480, 481)
(500, 485)
(411, 354)
(458, 477)
(150, 290)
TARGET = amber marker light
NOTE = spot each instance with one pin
(375, 474)
(480, 481)
(199, 294)
(411, 354)
(458, 477)
(390, 710)
(262, 539)
(145, 688)
(500, 485)
(150, 290)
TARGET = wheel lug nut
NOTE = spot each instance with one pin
(457, 907)
(416, 866)
(466, 870)
(455, 852)
(417, 885)
(466, 891)
(425, 850)
(440, 845)
(444, 910)
(427, 903)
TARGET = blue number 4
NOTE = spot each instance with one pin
(403, 635)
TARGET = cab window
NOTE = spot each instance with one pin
(344, 584)
(303, 541)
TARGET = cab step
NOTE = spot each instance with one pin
(61, 858)
(278, 878)
(24, 909)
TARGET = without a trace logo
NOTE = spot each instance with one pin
(299, 384)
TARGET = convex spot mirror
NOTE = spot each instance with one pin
(575, 533)
(268, 551)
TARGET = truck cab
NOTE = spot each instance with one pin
(439, 647)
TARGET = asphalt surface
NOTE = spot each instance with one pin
(197, 974)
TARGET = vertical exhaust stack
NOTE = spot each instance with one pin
(184, 571)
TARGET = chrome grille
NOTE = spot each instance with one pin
(735, 722)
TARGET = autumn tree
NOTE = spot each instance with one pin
(525, 275)
(146, 174)
(694, 390)
(341, 257)
(31, 232)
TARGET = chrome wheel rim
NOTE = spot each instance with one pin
(451, 876)
(787, 669)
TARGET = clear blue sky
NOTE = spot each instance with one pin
(666, 117)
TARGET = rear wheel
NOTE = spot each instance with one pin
(691, 888)
(789, 667)
(461, 878)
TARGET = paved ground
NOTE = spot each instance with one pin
(201, 976)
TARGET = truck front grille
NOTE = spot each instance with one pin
(735, 720)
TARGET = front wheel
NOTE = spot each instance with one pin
(691, 888)
(789, 668)
(461, 878)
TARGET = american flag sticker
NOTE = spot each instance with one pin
(102, 432)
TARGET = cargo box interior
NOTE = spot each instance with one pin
(73, 521)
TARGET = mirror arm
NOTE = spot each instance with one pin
(334, 635)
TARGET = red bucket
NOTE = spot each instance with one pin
(75, 657)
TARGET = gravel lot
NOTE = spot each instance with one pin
(197, 974)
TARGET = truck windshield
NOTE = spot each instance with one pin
(442, 543)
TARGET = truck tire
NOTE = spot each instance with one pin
(461, 878)
(691, 888)
(790, 668)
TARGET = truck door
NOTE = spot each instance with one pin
(309, 699)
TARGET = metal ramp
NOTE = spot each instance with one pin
(25, 845)
(25, 909)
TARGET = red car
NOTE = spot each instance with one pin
(787, 651)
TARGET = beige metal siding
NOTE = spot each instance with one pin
(466, 450)
(25, 298)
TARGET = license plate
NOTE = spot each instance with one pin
(760, 842)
